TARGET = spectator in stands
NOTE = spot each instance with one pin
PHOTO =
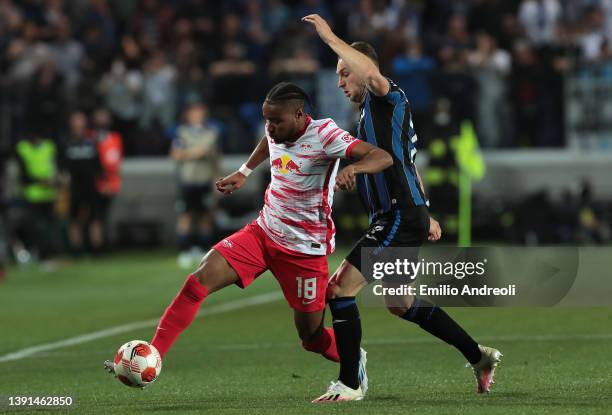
(108, 182)
(526, 78)
(413, 70)
(593, 37)
(221, 52)
(454, 80)
(300, 67)
(67, 54)
(540, 19)
(159, 92)
(195, 148)
(232, 76)
(366, 22)
(45, 99)
(276, 16)
(122, 91)
(491, 67)
(97, 30)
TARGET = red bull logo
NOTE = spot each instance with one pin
(285, 165)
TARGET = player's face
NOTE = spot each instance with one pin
(282, 121)
(349, 83)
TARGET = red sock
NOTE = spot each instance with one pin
(179, 314)
(325, 345)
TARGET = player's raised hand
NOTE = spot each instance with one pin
(231, 183)
(323, 29)
(345, 179)
(435, 231)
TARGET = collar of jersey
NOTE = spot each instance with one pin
(308, 119)
(301, 134)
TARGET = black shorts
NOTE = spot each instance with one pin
(83, 203)
(397, 229)
(102, 207)
(194, 198)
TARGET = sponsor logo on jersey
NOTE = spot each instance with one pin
(285, 164)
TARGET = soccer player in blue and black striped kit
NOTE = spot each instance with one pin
(397, 207)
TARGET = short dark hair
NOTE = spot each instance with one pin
(367, 49)
(286, 91)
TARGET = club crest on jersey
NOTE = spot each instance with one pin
(306, 146)
(285, 164)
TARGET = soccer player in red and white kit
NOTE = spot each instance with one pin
(294, 232)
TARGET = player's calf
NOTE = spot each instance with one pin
(212, 275)
(324, 344)
(436, 321)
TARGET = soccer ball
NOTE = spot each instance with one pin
(137, 364)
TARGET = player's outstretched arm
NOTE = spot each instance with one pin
(359, 63)
(371, 160)
(236, 180)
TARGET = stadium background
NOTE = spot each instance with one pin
(532, 77)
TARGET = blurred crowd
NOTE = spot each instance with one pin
(500, 63)
(75, 72)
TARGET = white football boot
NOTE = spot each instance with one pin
(339, 392)
(109, 366)
(485, 369)
(363, 376)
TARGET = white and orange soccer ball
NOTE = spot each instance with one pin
(137, 364)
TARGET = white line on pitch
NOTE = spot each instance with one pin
(112, 331)
(229, 347)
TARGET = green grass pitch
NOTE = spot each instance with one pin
(556, 360)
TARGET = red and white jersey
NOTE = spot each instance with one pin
(298, 201)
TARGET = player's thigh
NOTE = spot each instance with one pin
(303, 279)
(214, 272)
(309, 325)
(347, 281)
(244, 253)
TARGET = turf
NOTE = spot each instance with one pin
(556, 360)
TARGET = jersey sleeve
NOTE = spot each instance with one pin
(336, 142)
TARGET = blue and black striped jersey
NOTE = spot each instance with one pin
(386, 122)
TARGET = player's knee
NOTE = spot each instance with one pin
(333, 291)
(343, 289)
(400, 306)
(309, 339)
(309, 336)
(202, 275)
(208, 272)
(398, 311)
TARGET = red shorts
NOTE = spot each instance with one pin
(302, 277)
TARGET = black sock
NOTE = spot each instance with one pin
(347, 327)
(435, 321)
